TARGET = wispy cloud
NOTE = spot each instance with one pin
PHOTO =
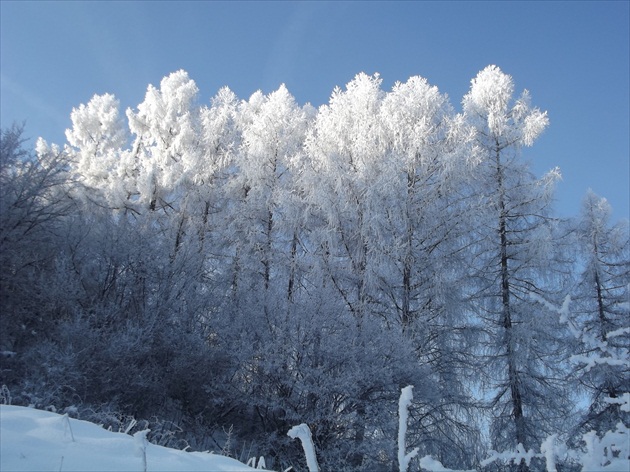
(27, 103)
(282, 60)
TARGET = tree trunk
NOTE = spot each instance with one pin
(408, 261)
(513, 376)
(291, 286)
(267, 256)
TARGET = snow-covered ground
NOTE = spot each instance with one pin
(34, 440)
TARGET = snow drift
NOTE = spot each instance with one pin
(35, 440)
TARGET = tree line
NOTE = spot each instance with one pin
(238, 268)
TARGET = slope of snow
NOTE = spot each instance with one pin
(34, 440)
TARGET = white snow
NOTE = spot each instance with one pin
(406, 397)
(624, 401)
(433, 465)
(303, 433)
(35, 440)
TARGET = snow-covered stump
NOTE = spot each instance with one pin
(303, 433)
(406, 395)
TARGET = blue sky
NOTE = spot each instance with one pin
(572, 56)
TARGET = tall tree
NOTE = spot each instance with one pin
(512, 260)
(346, 159)
(428, 160)
(166, 128)
(601, 306)
(273, 131)
(220, 141)
(345, 194)
(96, 140)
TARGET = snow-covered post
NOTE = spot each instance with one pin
(67, 426)
(141, 441)
(303, 432)
(406, 395)
(251, 462)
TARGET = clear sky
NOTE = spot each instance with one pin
(573, 56)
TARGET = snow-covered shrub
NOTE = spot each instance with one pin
(5, 395)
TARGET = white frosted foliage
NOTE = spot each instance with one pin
(166, 128)
(488, 105)
(96, 140)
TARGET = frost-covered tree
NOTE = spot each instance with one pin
(220, 139)
(428, 160)
(417, 121)
(512, 260)
(601, 305)
(167, 137)
(33, 204)
(96, 140)
(258, 230)
(273, 130)
(345, 195)
(345, 192)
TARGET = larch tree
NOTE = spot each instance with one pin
(273, 131)
(346, 158)
(220, 139)
(166, 129)
(513, 260)
(601, 306)
(344, 149)
(427, 147)
(96, 142)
